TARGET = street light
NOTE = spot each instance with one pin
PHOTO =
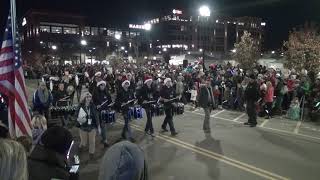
(147, 27)
(117, 36)
(204, 11)
(83, 43)
(54, 47)
(122, 47)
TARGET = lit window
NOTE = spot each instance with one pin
(87, 31)
(55, 29)
(69, 30)
(94, 31)
(45, 29)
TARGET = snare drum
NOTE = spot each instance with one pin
(138, 114)
(109, 117)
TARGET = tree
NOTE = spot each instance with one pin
(302, 50)
(246, 52)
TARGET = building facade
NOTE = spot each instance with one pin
(69, 38)
(180, 32)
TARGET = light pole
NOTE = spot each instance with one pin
(83, 43)
(204, 11)
(54, 48)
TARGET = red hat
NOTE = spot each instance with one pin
(147, 79)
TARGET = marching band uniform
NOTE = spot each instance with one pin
(167, 92)
(100, 96)
(124, 95)
(148, 93)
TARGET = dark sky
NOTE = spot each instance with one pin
(280, 15)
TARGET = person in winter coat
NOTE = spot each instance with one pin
(251, 96)
(124, 161)
(48, 159)
(42, 99)
(206, 101)
(13, 161)
(88, 119)
(101, 99)
(268, 99)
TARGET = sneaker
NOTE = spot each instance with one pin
(174, 133)
(207, 131)
(163, 130)
(247, 123)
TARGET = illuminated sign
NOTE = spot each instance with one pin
(176, 11)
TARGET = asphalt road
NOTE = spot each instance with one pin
(276, 149)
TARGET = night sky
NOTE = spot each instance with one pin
(280, 15)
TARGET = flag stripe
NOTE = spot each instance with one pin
(6, 63)
(6, 43)
(6, 56)
(6, 69)
(6, 50)
(24, 124)
(20, 78)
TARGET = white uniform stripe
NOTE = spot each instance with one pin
(6, 56)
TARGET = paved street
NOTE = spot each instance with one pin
(276, 149)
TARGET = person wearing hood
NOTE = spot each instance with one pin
(42, 99)
(101, 99)
(123, 161)
(48, 160)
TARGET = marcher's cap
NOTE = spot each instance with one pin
(125, 82)
(57, 139)
(167, 80)
(147, 79)
(98, 74)
(100, 83)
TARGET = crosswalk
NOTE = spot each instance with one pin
(278, 124)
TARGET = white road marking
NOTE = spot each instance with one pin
(264, 123)
(216, 114)
(296, 130)
(268, 128)
(239, 117)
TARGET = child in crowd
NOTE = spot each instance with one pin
(39, 125)
(294, 110)
(193, 97)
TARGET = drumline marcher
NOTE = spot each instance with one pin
(61, 99)
(88, 119)
(124, 100)
(167, 94)
(148, 94)
(93, 84)
(102, 99)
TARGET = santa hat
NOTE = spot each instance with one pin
(166, 80)
(147, 79)
(100, 83)
(125, 82)
(98, 74)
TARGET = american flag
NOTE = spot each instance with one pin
(12, 83)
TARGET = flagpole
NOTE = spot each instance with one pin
(13, 19)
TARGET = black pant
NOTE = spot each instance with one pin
(78, 91)
(168, 119)
(252, 112)
(149, 125)
(268, 108)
